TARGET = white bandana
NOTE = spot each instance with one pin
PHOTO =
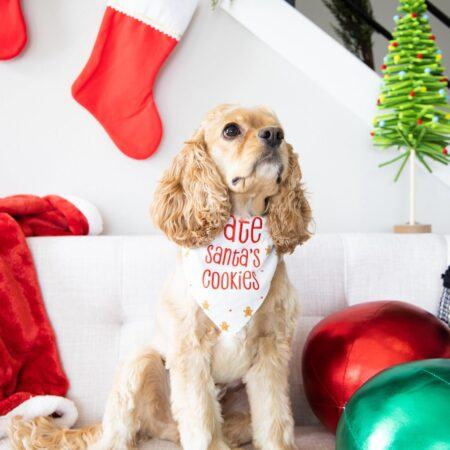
(230, 278)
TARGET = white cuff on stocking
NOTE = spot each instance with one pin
(170, 17)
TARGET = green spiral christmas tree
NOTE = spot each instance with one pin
(414, 112)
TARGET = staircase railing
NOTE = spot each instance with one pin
(380, 29)
(439, 14)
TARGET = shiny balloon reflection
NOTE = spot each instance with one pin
(349, 347)
(405, 407)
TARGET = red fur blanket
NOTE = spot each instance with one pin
(29, 360)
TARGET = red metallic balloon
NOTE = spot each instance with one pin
(347, 348)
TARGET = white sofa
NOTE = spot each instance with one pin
(100, 294)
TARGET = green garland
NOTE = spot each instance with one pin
(355, 33)
(415, 114)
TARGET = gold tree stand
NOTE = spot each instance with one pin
(416, 228)
(412, 226)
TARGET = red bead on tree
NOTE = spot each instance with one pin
(432, 37)
(414, 15)
(420, 55)
(395, 44)
(419, 121)
(383, 67)
(445, 151)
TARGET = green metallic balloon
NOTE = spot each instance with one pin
(406, 407)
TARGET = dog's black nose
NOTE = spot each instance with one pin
(272, 136)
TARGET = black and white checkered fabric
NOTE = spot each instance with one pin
(444, 306)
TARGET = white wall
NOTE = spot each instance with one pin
(49, 144)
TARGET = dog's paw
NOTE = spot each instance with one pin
(218, 445)
(111, 446)
(277, 446)
(272, 446)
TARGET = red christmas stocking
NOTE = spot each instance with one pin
(13, 31)
(116, 86)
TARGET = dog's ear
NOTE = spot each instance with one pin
(289, 213)
(191, 204)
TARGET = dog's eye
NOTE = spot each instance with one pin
(231, 130)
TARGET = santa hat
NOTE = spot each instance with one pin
(53, 215)
(32, 379)
(90, 213)
(63, 411)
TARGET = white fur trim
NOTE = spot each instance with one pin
(89, 211)
(170, 17)
(43, 405)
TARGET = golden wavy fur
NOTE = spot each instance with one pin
(288, 211)
(42, 433)
(189, 386)
(192, 202)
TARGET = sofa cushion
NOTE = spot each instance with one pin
(395, 267)
(101, 292)
(316, 269)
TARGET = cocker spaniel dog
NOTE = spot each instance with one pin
(215, 377)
